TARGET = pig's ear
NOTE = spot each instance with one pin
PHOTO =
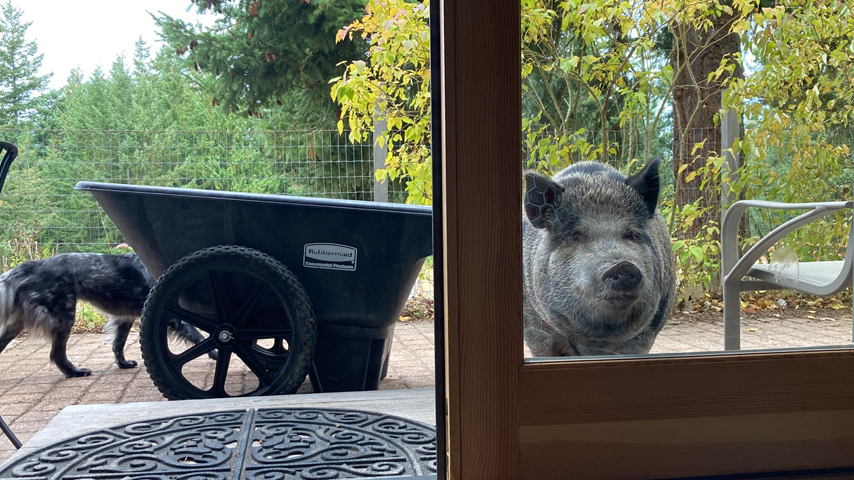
(647, 184)
(541, 195)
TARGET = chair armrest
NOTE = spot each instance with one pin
(731, 264)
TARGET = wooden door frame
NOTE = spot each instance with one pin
(656, 417)
(481, 195)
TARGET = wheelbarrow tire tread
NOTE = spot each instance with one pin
(304, 323)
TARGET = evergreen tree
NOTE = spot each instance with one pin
(264, 55)
(20, 84)
(151, 94)
(119, 96)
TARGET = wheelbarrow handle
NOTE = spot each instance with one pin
(11, 153)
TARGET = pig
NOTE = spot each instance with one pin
(598, 264)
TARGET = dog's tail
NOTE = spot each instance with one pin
(8, 312)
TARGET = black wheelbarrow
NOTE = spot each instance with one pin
(285, 286)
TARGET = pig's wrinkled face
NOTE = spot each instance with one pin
(596, 279)
(605, 269)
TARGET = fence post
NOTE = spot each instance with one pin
(730, 130)
(380, 154)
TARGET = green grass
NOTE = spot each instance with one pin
(88, 320)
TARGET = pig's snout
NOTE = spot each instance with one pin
(622, 281)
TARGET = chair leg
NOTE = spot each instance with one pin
(11, 436)
(732, 317)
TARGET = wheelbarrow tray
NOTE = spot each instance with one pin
(356, 260)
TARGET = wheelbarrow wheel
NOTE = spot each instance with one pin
(255, 321)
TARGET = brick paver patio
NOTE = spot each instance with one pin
(32, 391)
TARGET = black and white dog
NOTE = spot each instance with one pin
(40, 296)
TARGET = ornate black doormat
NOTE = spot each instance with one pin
(269, 444)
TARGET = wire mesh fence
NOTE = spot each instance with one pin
(832, 177)
(41, 213)
(804, 180)
(550, 151)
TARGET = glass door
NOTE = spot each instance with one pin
(783, 413)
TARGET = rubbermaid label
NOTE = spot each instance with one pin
(329, 255)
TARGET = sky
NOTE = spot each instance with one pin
(91, 33)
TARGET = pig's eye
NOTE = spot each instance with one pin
(576, 236)
(632, 236)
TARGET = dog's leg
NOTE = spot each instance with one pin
(60, 359)
(7, 337)
(61, 323)
(121, 327)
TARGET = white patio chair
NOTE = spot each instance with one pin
(816, 278)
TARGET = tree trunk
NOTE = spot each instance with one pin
(697, 53)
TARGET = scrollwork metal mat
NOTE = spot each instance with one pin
(268, 444)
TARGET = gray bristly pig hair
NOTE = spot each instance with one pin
(599, 272)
